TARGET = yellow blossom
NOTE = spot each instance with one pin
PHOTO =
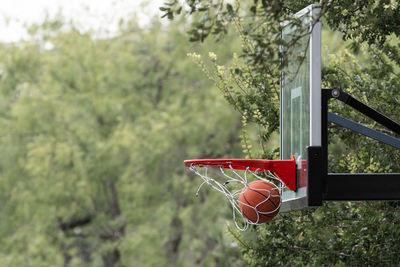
(213, 56)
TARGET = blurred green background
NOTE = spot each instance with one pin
(94, 132)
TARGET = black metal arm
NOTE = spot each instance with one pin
(367, 111)
(356, 127)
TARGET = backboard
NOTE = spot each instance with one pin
(300, 107)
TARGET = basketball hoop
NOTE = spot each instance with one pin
(238, 177)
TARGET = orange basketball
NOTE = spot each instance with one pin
(262, 198)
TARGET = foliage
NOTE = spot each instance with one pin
(93, 135)
(369, 68)
(340, 234)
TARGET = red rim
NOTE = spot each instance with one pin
(284, 169)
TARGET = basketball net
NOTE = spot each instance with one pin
(231, 186)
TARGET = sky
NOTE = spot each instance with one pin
(87, 13)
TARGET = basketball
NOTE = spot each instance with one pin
(262, 198)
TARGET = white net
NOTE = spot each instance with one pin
(232, 183)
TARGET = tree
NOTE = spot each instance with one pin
(93, 134)
(345, 233)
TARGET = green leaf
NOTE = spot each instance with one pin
(229, 8)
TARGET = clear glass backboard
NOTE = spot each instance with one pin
(300, 107)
